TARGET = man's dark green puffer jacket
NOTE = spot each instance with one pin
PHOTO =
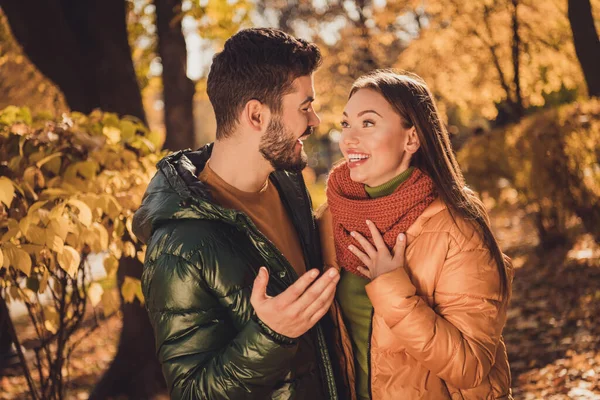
(200, 265)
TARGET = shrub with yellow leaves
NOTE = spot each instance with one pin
(68, 188)
(551, 161)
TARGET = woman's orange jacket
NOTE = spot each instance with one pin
(438, 336)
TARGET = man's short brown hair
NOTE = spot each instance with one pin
(260, 64)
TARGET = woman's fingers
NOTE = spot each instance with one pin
(365, 244)
(377, 238)
(365, 271)
(399, 249)
(365, 259)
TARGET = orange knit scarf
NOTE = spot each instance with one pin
(351, 206)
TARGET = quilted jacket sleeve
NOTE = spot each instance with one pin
(203, 355)
(458, 339)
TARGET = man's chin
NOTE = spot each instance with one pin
(291, 166)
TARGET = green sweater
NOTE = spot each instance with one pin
(355, 304)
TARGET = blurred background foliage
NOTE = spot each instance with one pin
(90, 92)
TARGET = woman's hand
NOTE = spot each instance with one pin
(378, 260)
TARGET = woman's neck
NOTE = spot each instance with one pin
(390, 186)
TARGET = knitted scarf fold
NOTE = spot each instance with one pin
(351, 206)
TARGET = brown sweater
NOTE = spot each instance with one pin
(265, 209)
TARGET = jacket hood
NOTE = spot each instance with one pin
(176, 193)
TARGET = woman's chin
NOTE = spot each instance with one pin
(357, 177)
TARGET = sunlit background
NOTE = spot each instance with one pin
(517, 83)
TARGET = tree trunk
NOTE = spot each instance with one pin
(178, 89)
(587, 44)
(135, 372)
(516, 53)
(82, 47)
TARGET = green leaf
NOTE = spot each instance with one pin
(7, 191)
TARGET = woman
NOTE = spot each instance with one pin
(424, 286)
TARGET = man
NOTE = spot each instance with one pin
(226, 328)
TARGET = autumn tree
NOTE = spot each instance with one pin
(86, 53)
(497, 61)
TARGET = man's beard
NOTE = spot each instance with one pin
(278, 146)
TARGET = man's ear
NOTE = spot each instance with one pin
(256, 115)
(413, 143)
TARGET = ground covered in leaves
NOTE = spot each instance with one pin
(552, 333)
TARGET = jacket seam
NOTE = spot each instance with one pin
(473, 296)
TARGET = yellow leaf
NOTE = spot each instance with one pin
(36, 206)
(102, 235)
(110, 303)
(69, 260)
(54, 241)
(128, 129)
(129, 249)
(13, 229)
(131, 289)
(110, 265)
(87, 169)
(7, 254)
(60, 226)
(129, 225)
(22, 261)
(36, 235)
(57, 210)
(44, 281)
(7, 191)
(52, 320)
(46, 159)
(95, 292)
(85, 214)
(141, 255)
(112, 134)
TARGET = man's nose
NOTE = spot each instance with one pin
(314, 120)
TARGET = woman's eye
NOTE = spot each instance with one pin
(368, 123)
(344, 124)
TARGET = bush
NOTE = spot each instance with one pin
(68, 188)
(552, 160)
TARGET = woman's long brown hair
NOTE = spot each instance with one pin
(411, 98)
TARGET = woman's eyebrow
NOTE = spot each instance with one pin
(364, 112)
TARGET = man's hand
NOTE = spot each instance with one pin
(377, 259)
(299, 307)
